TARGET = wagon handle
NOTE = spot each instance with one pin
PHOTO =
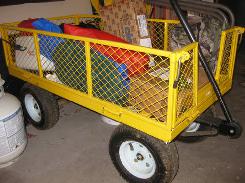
(178, 75)
(184, 57)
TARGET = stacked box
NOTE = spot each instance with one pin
(127, 19)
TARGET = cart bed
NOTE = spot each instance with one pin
(86, 71)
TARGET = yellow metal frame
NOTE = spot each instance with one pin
(202, 98)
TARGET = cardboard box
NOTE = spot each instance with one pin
(202, 78)
(149, 94)
(127, 19)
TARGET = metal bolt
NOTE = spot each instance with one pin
(35, 106)
(139, 157)
(131, 147)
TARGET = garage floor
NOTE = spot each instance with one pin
(76, 149)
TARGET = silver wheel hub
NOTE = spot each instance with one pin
(32, 108)
(137, 159)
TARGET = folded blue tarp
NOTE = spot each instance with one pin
(47, 43)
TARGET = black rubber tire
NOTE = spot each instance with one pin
(48, 105)
(165, 155)
(209, 113)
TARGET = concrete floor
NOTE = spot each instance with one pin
(76, 150)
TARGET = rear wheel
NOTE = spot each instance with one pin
(141, 158)
(40, 107)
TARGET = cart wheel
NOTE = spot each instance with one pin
(141, 158)
(195, 126)
(40, 107)
(234, 129)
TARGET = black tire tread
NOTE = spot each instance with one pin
(167, 152)
(49, 105)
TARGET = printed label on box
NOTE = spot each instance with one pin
(128, 35)
(142, 24)
(146, 42)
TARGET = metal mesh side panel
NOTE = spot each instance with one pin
(157, 34)
(70, 64)
(131, 79)
(24, 58)
(171, 28)
(62, 60)
(225, 66)
(185, 86)
(150, 94)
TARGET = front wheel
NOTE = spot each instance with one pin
(141, 158)
(40, 107)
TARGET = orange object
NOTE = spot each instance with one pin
(137, 63)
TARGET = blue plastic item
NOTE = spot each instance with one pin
(47, 43)
(46, 25)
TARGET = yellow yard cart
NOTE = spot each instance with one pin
(155, 106)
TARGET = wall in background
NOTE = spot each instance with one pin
(32, 10)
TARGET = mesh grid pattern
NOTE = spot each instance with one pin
(224, 72)
(70, 64)
(62, 60)
(149, 91)
(108, 82)
(157, 30)
(185, 86)
(23, 58)
(125, 77)
(171, 27)
(157, 34)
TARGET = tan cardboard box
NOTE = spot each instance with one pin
(127, 19)
(202, 78)
(149, 94)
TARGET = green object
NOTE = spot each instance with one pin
(70, 68)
